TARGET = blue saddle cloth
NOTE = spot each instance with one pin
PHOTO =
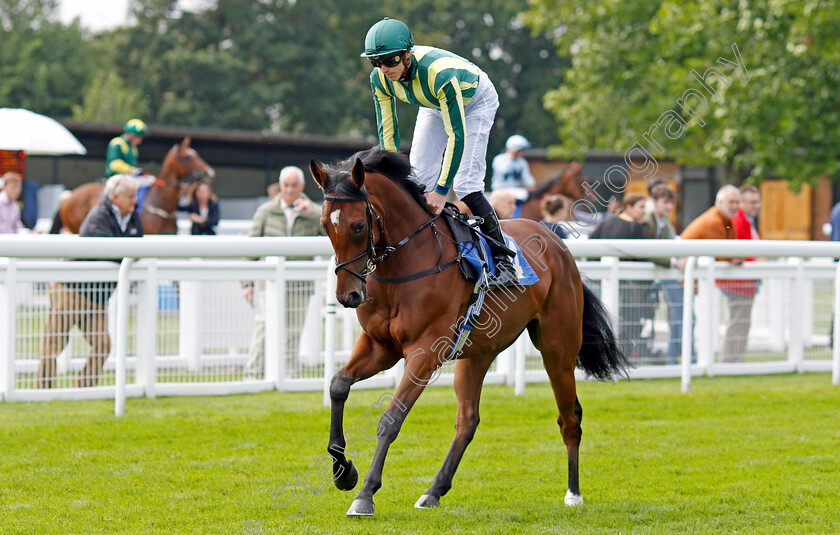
(141, 195)
(482, 257)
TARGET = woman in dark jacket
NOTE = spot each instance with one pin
(203, 209)
(636, 298)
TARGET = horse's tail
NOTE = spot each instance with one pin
(600, 354)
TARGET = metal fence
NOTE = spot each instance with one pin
(184, 326)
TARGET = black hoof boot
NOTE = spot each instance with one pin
(349, 478)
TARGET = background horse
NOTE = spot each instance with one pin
(569, 183)
(161, 202)
(377, 219)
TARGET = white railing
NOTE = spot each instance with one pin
(790, 328)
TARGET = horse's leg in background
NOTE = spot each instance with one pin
(367, 360)
(559, 352)
(419, 368)
(469, 376)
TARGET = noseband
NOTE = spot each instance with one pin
(370, 250)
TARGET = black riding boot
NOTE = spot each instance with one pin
(505, 272)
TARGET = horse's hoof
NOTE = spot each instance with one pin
(348, 480)
(361, 507)
(572, 499)
(427, 502)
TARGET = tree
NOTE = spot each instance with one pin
(44, 65)
(108, 100)
(634, 61)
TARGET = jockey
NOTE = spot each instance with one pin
(511, 171)
(122, 155)
(458, 104)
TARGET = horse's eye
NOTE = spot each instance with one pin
(358, 227)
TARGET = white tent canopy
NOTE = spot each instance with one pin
(36, 134)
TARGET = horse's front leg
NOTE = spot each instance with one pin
(367, 360)
(417, 375)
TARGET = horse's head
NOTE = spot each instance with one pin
(183, 161)
(572, 181)
(353, 226)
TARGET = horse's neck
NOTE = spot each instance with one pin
(401, 215)
(164, 191)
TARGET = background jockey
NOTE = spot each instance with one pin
(123, 155)
(511, 171)
(457, 103)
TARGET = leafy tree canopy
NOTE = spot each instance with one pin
(632, 60)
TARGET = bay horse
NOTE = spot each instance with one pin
(161, 202)
(569, 183)
(376, 218)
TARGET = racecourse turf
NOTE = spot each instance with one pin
(736, 455)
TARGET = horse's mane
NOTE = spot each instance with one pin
(393, 165)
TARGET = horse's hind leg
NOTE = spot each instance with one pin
(559, 361)
(469, 375)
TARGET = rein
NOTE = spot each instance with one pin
(370, 250)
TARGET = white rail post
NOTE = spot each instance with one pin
(796, 353)
(835, 365)
(122, 335)
(275, 324)
(688, 323)
(7, 329)
(705, 322)
(329, 331)
(519, 358)
(146, 335)
(610, 289)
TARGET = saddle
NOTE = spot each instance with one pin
(475, 255)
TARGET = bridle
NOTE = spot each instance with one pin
(370, 250)
(195, 175)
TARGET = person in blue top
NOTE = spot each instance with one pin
(511, 170)
(458, 105)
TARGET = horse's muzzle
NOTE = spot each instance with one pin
(353, 299)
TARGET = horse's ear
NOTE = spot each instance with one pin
(318, 174)
(576, 166)
(357, 175)
(186, 142)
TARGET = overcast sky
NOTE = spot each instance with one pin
(99, 15)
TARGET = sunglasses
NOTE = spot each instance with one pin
(389, 61)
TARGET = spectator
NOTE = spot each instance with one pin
(511, 171)
(203, 208)
(741, 293)
(9, 209)
(503, 202)
(555, 209)
(716, 224)
(273, 190)
(85, 304)
(658, 227)
(289, 214)
(636, 304)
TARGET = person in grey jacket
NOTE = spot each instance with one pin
(290, 213)
(85, 304)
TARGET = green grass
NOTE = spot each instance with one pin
(736, 455)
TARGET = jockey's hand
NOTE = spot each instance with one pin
(137, 171)
(435, 201)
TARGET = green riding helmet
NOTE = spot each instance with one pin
(136, 127)
(386, 37)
